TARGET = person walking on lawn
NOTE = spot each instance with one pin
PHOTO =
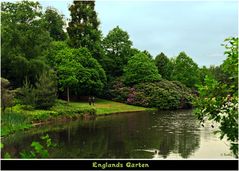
(93, 100)
(89, 100)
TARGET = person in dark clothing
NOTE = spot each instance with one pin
(89, 100)
(93, 100)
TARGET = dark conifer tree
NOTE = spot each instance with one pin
(45, 91)
(83, 28)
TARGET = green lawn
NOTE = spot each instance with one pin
(108, 107)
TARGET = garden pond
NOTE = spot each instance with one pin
(148, 135)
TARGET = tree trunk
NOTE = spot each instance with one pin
(68, 94)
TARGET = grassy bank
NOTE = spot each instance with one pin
(23, 117)
(104, 107)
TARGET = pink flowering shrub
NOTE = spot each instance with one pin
(164, 94)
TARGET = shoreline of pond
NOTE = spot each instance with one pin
(63, 114)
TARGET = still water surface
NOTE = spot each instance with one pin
(148, 135)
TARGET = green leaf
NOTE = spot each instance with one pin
(37, 146)
(2, 145)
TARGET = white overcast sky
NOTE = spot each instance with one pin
(196, 27)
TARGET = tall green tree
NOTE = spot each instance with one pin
(117, 46)
(140, 68)
(78, 72)
(83, 28)
(54, 23)
(164, 66)
(24, 41)
(185, 70)
(60, 58)
(67, 71)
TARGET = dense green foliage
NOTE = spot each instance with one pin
(26, 95)
(215, 72)
(117, 46)
(140, 68)
(24, 41)
(218, 101)
(92, 78)
(55, 47)
(54, 24)
(185, 70)
(164, 66)
(230, 65)
(42, 95)
(148, 54)
(163, 94)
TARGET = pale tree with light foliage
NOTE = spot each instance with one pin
(218, 102)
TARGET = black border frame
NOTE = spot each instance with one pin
(58, 164)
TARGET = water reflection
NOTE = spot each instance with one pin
(133, 135)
